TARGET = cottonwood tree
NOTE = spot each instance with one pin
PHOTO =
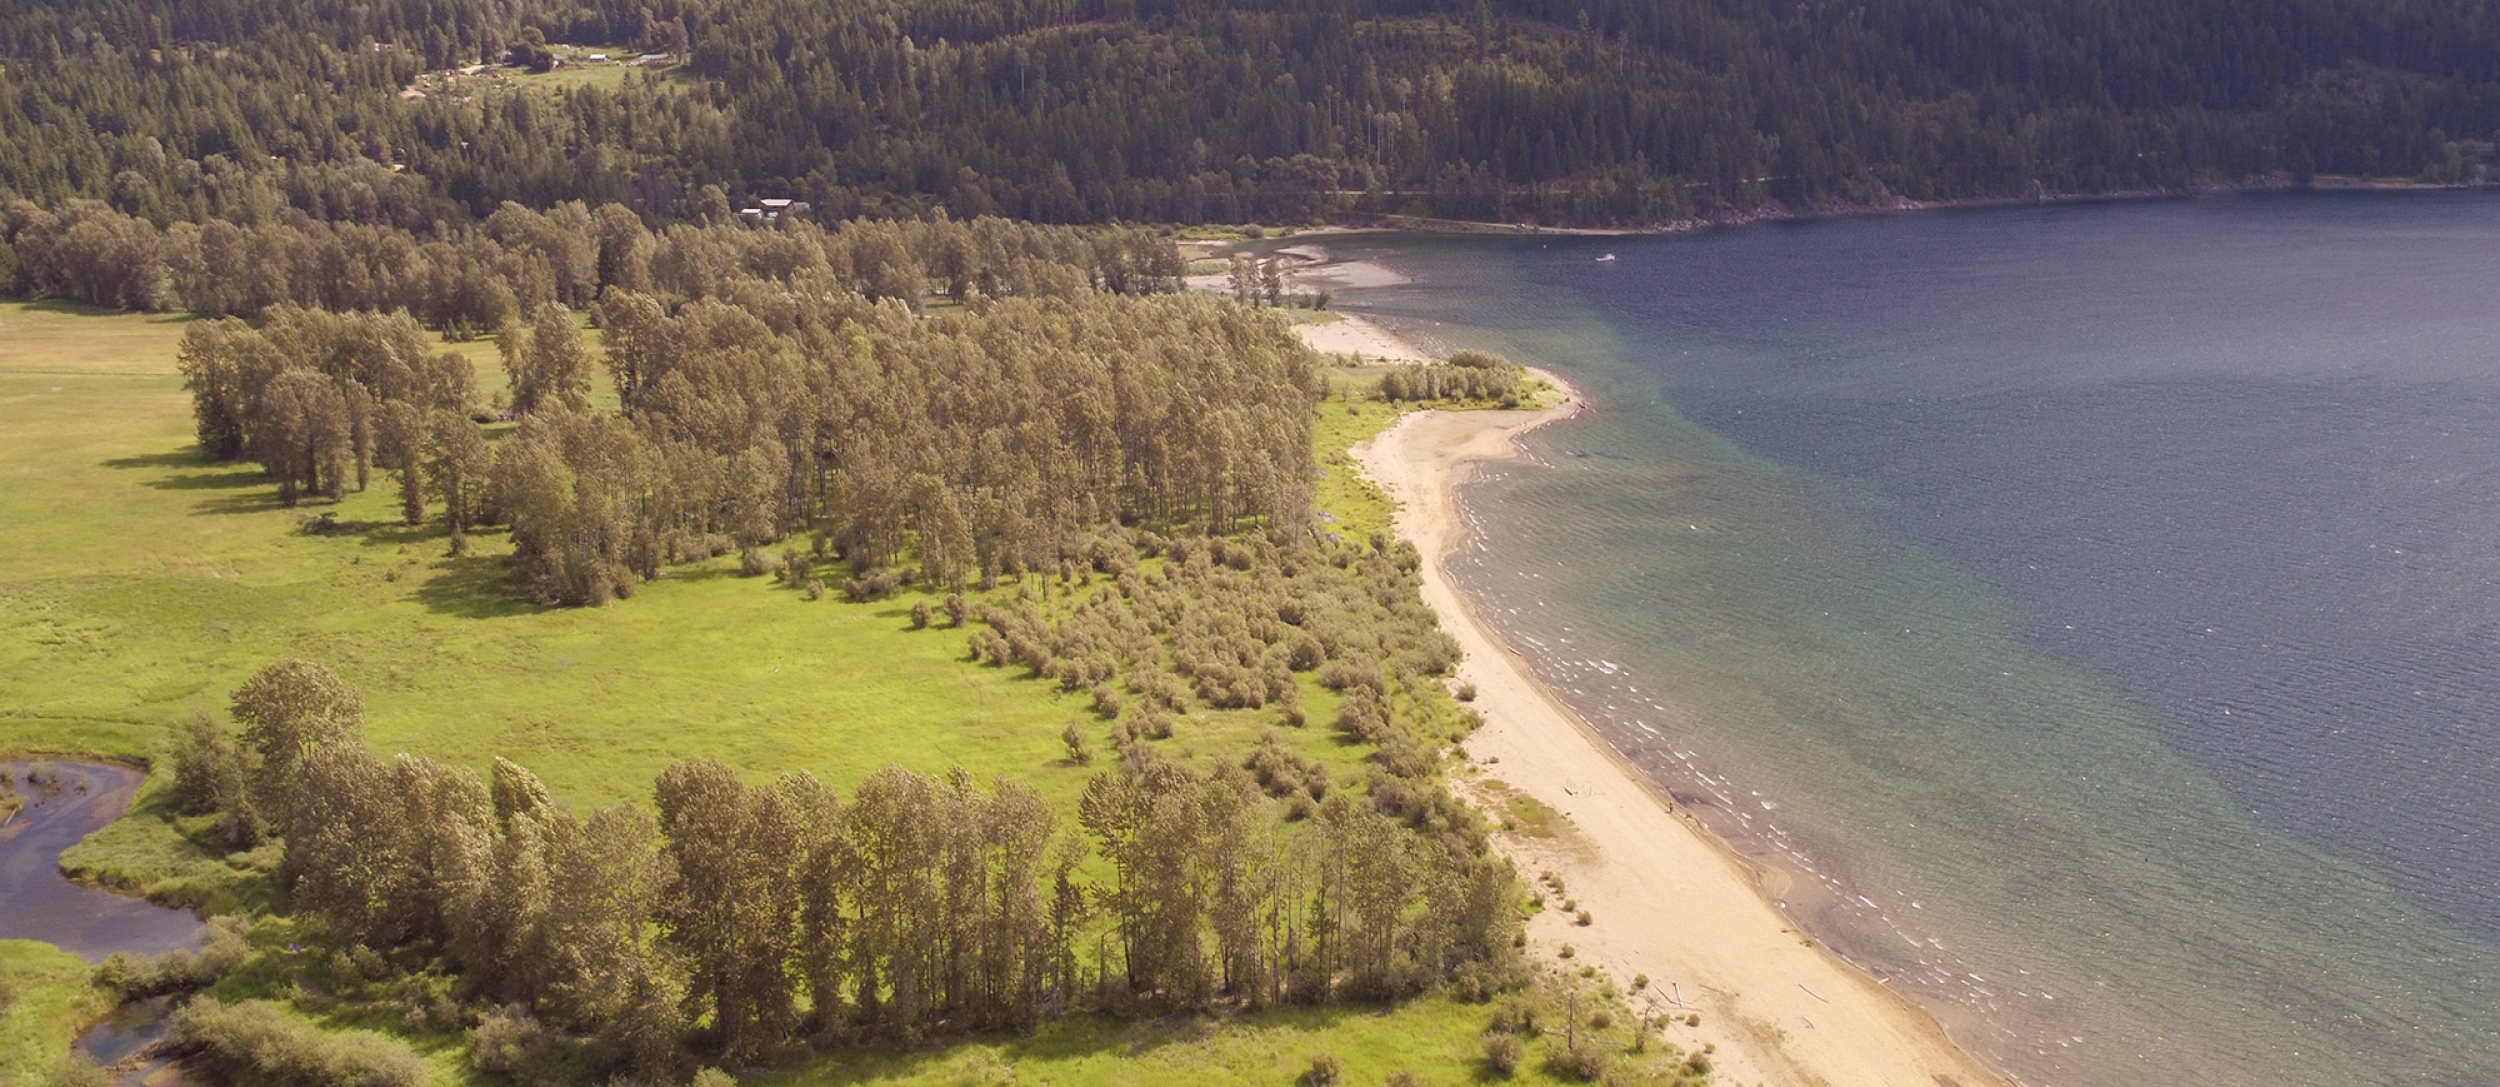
(731, 902)
(457, 460)
(546, 361)
(288, 711)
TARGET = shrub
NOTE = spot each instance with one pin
(503, 1043)
(1466, 692)
(254, 1042)
(1515, 1015)
(78, 1070)
(1324, 1070)
(920, 615)
(1568, 951)
(815, 589)
(181, 969)
(1502, 1053)
(958, 610)
(1586, 1061)
(1583, 919)
(1080, 751)
(1108, 702)
(876, 584)
(757, 562)
(1601, 1019)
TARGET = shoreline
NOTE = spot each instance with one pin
(1774, 212)
(1668, 899)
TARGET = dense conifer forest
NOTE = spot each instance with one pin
(1604, 111)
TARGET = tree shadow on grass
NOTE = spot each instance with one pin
(396, 533)
(474, 587)
(73, 309)
(243, 501)
(695, 575)
(214, 476)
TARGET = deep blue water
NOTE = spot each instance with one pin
(2097, 606)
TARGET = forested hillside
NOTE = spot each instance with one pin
(1227, 110)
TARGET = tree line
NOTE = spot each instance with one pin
(477, 278)
(969, 445)
(743, 919)
(1232, 111)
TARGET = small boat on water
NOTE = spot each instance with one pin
(1607, 259)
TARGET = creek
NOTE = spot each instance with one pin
(62, 803)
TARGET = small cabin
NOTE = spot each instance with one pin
(773, 209)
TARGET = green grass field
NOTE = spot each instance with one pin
(53, 999)
(1438, 1040)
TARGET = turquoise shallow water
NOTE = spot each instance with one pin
(2095, 608)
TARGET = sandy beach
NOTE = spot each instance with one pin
(1667, 900)
(1353, 335)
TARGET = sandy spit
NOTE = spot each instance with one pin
(1353, 335)
(1667, 899)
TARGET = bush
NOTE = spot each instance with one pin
(1080, 751)
(757, 562)
(504, 1043)
(78, 1070)
(1466, 692)
(1502, 1053)
(179, 970)
(254, 1042)
(1324, 1070)
(873, 585)
(1516, 1015)
(815, 589)
(958, 610)
(1107, 701)
(920, 615)
(1587, 1061)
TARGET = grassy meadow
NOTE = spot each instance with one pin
(50, 999)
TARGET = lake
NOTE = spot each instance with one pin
(2094, 608)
